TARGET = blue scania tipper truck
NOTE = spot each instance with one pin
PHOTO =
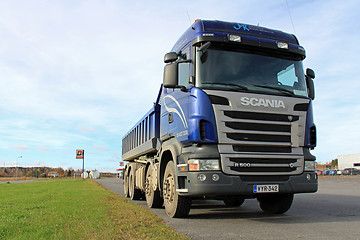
(233, 120)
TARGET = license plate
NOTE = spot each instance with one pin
(266, 188)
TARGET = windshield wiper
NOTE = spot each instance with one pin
(288, 92)
(229, 84)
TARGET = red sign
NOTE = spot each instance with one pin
(79, 154)
(121, 164)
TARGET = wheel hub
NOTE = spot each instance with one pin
(147, 187)
(169, 188)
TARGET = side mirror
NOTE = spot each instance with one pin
(171, 75)
(170, 57)
(310, 75)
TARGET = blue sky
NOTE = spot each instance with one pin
(79, 74)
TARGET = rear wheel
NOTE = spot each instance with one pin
(176, 206)
(276, 203)
(126, 184)
(153, 198)
(134, 194)
(234, 202)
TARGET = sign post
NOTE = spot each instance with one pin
(80, 155)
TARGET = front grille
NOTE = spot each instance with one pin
(256, 140)
(259, 138)
(259, 132)
(264, 178)
(263, 169)
(261, 116)
(258, 127)
(263, 160)
(261, 149)
(262, 164)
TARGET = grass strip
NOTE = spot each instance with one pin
(74, 209)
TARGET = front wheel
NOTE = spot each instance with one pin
(176, 206)
(275, 203)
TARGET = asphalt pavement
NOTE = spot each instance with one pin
(331, 213)
(17, 181)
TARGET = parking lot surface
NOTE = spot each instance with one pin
(331, 213)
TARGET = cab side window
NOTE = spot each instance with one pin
(184, 68)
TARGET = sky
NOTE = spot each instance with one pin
(79, 74)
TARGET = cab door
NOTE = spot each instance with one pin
(175, 105)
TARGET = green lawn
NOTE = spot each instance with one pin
(74, 209)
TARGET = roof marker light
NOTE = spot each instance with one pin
(282, 45)
(234, 38)
(208, 34)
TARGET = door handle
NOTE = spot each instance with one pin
(170, 118)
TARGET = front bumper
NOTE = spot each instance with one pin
(235, 186)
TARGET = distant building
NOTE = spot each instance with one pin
(120, 173)
(95, 174)
(53, 174)
(349, 161)
(77, 175)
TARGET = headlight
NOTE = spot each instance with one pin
(282, 45)
(234, 38)
(309, 166)
(203, 164)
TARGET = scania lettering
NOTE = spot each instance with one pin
(233, 120)
(262, 102)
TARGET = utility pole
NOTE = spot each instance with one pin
(83, 171)
(17, 165)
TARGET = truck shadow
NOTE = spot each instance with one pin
(306, 208)
(316, 208)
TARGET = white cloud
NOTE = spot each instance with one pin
(103, 148)
(19, 147)
(45, 149)
(87, 130)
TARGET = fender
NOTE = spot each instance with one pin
(126, 170)
(172, 147)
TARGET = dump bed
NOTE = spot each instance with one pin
(144, 136)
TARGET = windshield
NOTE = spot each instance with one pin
(250, 71)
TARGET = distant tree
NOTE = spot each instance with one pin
(334, 163)
(20, 172)
(69, 173)
(37, 173)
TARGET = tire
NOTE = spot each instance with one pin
(176, 206)
(126, 185)
(134, 194)
(237, 202)
(276, 203)
(153, 198)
